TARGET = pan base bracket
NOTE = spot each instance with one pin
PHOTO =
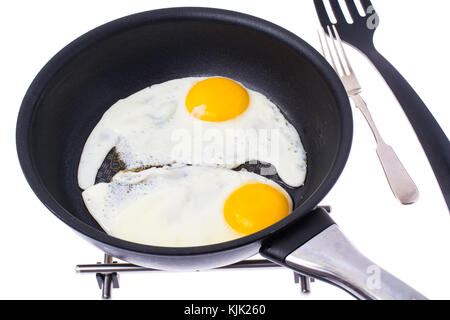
(107, 273)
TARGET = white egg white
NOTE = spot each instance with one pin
(153, 128)
(169, 206)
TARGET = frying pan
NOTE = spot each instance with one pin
(68, 97)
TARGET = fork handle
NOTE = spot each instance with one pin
(431, 136)
(399, 180)
(403, 187)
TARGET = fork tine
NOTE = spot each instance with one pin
(321, 44)
(338, 37)
(322, 13)
(330, 34)
(366, 4)
(337, 10)
(353, 9)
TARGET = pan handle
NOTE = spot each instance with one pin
(329, 256)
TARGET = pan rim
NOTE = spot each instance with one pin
(33, 94)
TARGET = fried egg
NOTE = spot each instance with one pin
(200, 121)
(186, 206)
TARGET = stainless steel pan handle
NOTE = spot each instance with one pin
(315, 246)
(331, 257)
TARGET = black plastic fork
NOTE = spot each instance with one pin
(360, 34)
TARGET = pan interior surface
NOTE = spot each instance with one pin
(116, 61)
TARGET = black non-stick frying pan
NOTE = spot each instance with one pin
(70, 94)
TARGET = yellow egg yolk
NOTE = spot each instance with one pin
(254, 207)
(217, 100)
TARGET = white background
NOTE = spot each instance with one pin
(38, 253)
